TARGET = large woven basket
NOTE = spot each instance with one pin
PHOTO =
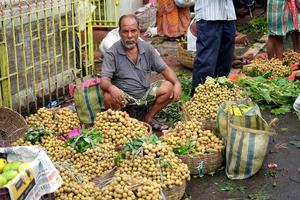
(185, 57)
(211, 162)
(175, 193)
(12, 126)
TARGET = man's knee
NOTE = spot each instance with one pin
(165, 88)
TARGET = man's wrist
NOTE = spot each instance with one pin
(177, 83)
(109, 88)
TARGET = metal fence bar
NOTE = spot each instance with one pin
(106, 13)
(41, 43)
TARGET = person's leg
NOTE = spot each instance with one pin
(208, 43)
(162, 100)
(295, 41)
(224, 61)
(275, 47)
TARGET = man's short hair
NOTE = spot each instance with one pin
(128, 16)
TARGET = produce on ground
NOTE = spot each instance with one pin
(87, 155)
(43, 118)
(56, 121)
(204, 103)
(9, 170)
(277, 94)
(131, 187)
(291, 57)
(262, 66)
(75, 186)
(188, 137)
(117, 127)
(153, 160)
(66, 120)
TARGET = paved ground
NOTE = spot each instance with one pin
(286, 183)
(281, 184)
(262, 185)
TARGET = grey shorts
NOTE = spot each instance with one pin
(138, 108)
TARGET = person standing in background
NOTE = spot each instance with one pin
(280, 23)
(172, 21)
(216, 26)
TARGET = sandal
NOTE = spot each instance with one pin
(239, 63)
(158, 126)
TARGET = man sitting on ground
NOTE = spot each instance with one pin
(125, 76)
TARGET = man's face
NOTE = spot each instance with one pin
(129, 32)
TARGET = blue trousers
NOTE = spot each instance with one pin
(215, 45)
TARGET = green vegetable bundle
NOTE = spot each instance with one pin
(85, 140)
(278, 94)
(34, 135)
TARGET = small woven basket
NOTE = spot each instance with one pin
(175, 193)
(12, 126)
(210, 162)
(185, 57)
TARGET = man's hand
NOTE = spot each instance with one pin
(117, 95)
(176, 94)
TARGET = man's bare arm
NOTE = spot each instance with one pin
(116, 94)
(105, 83)
(170, 75)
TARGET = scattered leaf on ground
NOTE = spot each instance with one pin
(260, 195)
(296, 143)
(229, 186)
(284, 129)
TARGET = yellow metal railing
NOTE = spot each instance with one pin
(106, 13)
(42, 42)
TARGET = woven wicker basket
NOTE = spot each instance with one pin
(175, 193)
(211, 162)
(12, 126)
(185, 57)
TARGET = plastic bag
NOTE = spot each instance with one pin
(151, 32)
(82, 14)
(297, 104)
(184, 3)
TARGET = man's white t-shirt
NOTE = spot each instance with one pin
(191, 39)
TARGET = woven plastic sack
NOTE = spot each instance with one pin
(247, 148)
(146, 16)
(88, 98)
(247, 120)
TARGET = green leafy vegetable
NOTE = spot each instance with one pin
(296, 143)
(85, 140)
(34, 135)
(173, 113)
(277, 94)
(188, 148)
(136, 146)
